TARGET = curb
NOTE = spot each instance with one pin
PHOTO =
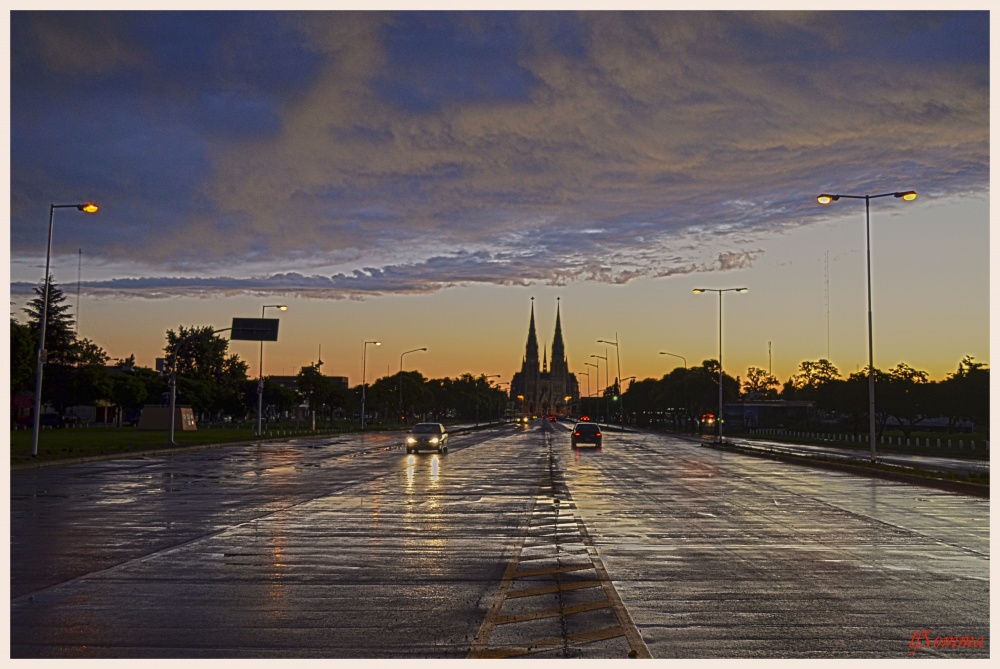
(974, 489)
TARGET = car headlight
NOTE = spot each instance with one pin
(434, 440)
(411, 440)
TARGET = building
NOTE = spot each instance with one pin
(539, 389)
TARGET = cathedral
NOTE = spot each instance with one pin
(542, 390)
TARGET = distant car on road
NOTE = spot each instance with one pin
(430, 436)
(586, 433)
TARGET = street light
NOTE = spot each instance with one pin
(597, 382)
(485, 376)
(908, 196)
(621, 404)
(260, 375)
(607, 379)
(90, 208)
(587, 374)
(414, 350)
(720, 291)
(684, 384)
(364, 362)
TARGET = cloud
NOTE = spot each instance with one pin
(565, 146)
(433, 274)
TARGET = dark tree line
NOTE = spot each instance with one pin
(214, 382)
(903, 394)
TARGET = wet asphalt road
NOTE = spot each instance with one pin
(512, 544)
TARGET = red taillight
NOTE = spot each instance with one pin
(598, 434)
(576, 434)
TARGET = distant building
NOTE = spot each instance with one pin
(292, 382)
(538, 389)
(754, 414)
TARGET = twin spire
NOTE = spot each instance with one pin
(558, 348)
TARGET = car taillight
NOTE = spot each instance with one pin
(576, 434)
(598, 434)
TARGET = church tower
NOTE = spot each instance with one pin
(541, 389)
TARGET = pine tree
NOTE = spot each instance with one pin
(59, 327)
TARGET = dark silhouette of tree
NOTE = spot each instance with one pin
(760, 384)
(59, 324)
(22, 357)
(208, 377)
(965, 395)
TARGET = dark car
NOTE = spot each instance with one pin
(586, 433)
(427, 436)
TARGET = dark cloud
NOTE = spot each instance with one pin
(571, 146)
(460, 269)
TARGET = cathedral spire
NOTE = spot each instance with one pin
(531, 350)
(558, 349)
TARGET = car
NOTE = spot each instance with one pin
(586, 433)
(430, 436)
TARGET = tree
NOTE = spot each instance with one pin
(22, 357)
(813, 374)
(906, 397)
(86, 353)
(966, 394)
(128, 391)
(59, 324)
(760, 383)
(207, 377)
(322, 392)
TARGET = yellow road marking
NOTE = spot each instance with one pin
(554, 612)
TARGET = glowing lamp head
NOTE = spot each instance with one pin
(698, 291)
(282, 307)
(909, 195)
(827, 199)
(88, 207)
(742, 290)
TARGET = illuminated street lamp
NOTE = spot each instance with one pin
(720, 291)
(684, 383)
(414, 350)
(908, 196)
(364, 362)
(607, 379)
(621, 404)
(90, 208)
(587, 374)
(260, 375)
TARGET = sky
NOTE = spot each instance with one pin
(415, 178)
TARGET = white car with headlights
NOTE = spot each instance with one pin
(427, 436)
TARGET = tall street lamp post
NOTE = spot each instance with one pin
(260, 375)
(414, 350)
(587, 374)
(90, 208)
(621, 399)
(907, 196)
(364, 363)
(684, 382)
(597, 381)
(607, 381)
(720, 291)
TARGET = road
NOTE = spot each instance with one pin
(510, 545)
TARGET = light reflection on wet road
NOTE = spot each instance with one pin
(348, 547)
(721, 555)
